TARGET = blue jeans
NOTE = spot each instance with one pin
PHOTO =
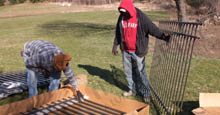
(135, 71)
(32, 79)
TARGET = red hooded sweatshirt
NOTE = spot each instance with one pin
(129, 26)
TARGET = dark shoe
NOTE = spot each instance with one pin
(147, 99)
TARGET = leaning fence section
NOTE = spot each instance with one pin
(171, 64)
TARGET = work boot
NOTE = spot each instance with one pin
(147, 99)
(129, 93)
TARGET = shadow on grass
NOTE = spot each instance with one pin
(1, 70)
(13, 98)
(21, 96)
(188, 106)
(62, 27)
(115, 77)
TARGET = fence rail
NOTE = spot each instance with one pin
(171, 64)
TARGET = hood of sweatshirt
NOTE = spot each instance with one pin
(129, 6)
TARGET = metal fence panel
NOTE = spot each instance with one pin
(171, 64)
(71, 106)
(17, 77)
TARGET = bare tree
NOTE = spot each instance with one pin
(181, 10)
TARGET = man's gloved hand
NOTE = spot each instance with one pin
(80, 96)
(114, 50)
(22, 53)
(166, 37)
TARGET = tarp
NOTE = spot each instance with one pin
(130, 107)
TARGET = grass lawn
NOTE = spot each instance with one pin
(88, 37)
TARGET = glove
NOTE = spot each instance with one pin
(22, 53)
(80, 96)
(114, 50)
(166, 37)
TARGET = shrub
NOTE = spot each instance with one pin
(35, 1)
(2, 2)
(21, 1)
(16, 1)
(195, 3)
(13, 1)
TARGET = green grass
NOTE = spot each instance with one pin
(204, 77)
(88, 37)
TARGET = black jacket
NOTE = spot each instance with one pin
(145, 27)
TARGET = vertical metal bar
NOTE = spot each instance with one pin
(173, 76)
(167, 82)
(178, 75)
(101, 108)
(171, 67)
(164, 62)
(183, 67)
(187, 73)
(72, 111)
(189, 63)
(159, 71)
(157, 42)
(154, 65)
(9, 78)
(163, 68)
(87, 108)
(160, 67)
(178, 71)
(112, 109)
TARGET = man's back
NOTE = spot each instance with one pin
(39, 47)
(40, 53)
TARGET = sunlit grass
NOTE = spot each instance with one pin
(88, 37)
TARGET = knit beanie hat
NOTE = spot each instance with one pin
(61, 61)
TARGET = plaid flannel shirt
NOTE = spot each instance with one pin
(39, 57)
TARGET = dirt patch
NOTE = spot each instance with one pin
(208, 44)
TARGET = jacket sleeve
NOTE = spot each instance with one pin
(117, 39)
(151, 28)
(70, 76)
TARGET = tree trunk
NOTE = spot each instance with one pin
(181, 10)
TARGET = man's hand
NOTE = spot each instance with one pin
(166, 37)
(114, 50)
(80, 96)
(22, 53)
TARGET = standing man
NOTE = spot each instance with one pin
(132, 34)
(45, 58)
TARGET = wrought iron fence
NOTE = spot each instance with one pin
(71, 106)
(171, 64)
(17, 77)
